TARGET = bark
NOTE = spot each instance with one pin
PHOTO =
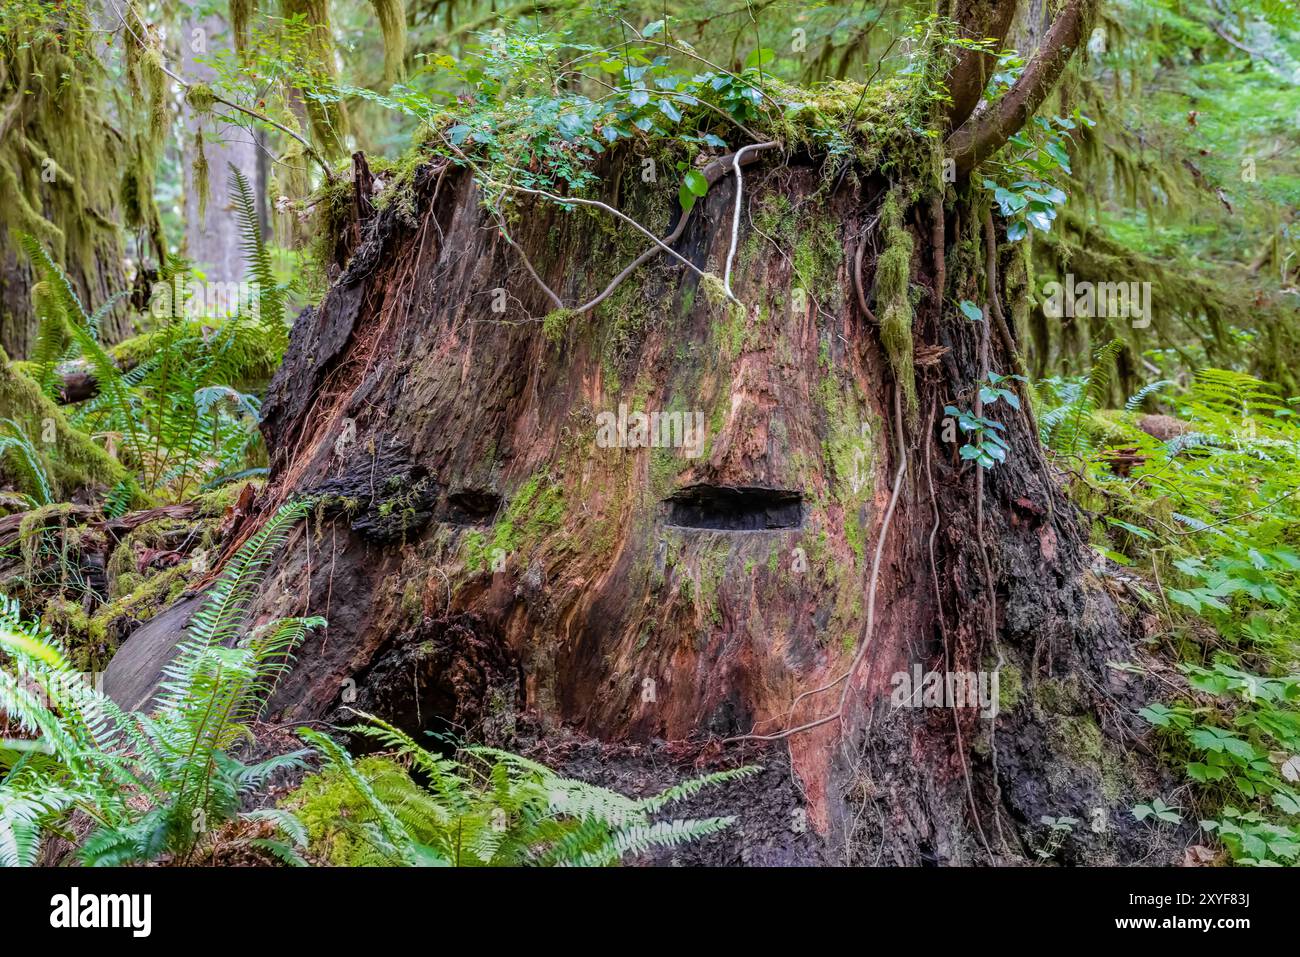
(643, 596)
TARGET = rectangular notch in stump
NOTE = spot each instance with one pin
(735, 508)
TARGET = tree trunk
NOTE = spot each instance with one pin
(212, 236)
(482, 551)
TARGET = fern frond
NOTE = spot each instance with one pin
(1136, 400)
(693, 786)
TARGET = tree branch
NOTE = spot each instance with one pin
(983, 134)
(967, 78)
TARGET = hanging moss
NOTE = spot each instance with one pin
(392, 23)
(241, 12)
(60, 158)
(200, 97)
(156, 81)
(893, 272)
(199, 167)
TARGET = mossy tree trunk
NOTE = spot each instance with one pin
(66, 163)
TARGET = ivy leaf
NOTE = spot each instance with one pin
(1039, 220)
(686, 198)
(667, 109)
(972, 312)
(1057, 152)
(696, 182)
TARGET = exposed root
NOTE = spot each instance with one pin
(989, 585)
(857, 284)
(943, 631)
(712, 173)
(736, 157)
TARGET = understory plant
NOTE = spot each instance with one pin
(1212, 508)
(153, 784)
(167, 404)
(483, 807)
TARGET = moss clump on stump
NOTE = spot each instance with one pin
(892, 274)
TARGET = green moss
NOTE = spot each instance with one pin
(476, 551)
(729, 333)
(893, 302)
(811, 237)
(855, 535)
(250, 359)
(1059, 696)
(91, 640)
(664, 469)
(72, 460)
(1010, 688)
(556, 323)
(712, 570)
(214, 504)
(848, 447)
(714, 289)
(817, 257)
(537, 508)
(122, 565)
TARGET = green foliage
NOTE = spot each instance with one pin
(484, 808)
(270, 293)
(1063, 428)
(153, 784)
(985, 445)
(177, 417)
(1214, 508)
(1036, 159)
